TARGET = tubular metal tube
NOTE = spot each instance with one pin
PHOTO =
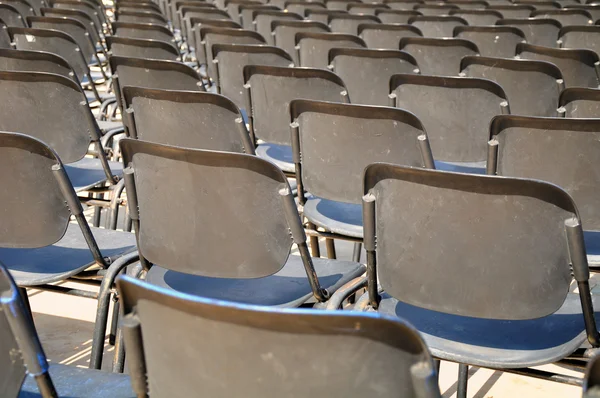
(491, 166)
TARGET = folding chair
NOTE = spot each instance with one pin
(366, 9)
(262, 19)
(81, 16)
(591, 381)
(186, 119)
(440, 57)
(367, 72)
(435, 10)
(300, 7)
(90, 10)
(513, 11)
(492, 41)
(143, 31)
(180, 9)
(565, 17)
(479, 234)
(437, 26)
(478, 17)
(581, 103)
(313, 48)
(386, 36)
(211, 35)
(188, 13)
(587, 37)
(390, 16)
(403, 4)
(11, 17)
(141, 17)
(532, 87)
(332, 144)
(233, 8)
(230, 60)
(247, 10)
(593, 9)
(318, 15)
(579, 67)
(25, 369)
(139, 48)
(269, 91)
(284, 34)
(456, 113)
(397, 363)
(197, 23)
(22, 6)
(540, 32)
(35, 61)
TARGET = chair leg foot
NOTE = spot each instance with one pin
(463, 377)
(330, 244)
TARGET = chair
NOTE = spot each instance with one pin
(284, 34)
(90, 10)
(532, 87)
(492, 41)
(187, 13)
(560, 151)
(348, 24)
(367, 72)
(478, 17)
(81, 16)
(587, 37)
(513, 11)
(313, 48)
(402, 4)
(591, 382)
(197, 23)
(397, 362)
(269, 91)
(11, 17)
(139, 48)
(262, 20)
(470, 4)
(319, 15)
(5, 40)
(23, 6)
(300, 7)
(566, 17)
(540, 32)
(437, 26)
(593, 9)
(141, 17)
(247, 10)
(332, 144)
(211, 35)
(186, 118)
(389, 16)
(366, 9)
(35, 61)
(25, 369)
(578, 66)
(338, 5)
(456, 113)
(233, 8)
(540, 4)
(479, 234)
(435, 10)
(386, 36)
(440, 57)
(142, 31)
(184, 9)
(231, 60)
(579, 102)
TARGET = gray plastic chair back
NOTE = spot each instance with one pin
(187, 119)
(11, 16)
(338, 5)
(140, 17)
(540, 32)
(386, 36)
(247, 10)
(389, 16)
(513, 231)
(564, 152)
(284, 34)
(580, 103)
(262, 20)
(512, 11)
(367, 72)
(143, 31)
(24, 7)
(196, 23)
(566, 17)
(313, 48)
(578, 66)
(403, 4)
(206, 13)
(492, 41)
(300, 7)
(319, 15)
(591, 381)
(337, 142)
(82, 6)
(435, 10)
(348, 24)
(540, 4)
(211, 35)
(397, 362)
(271, 89)
(455, 111)
(470, 4)
(181, 9)
(233, 8)
(81, 16)
(35, 61)
(365, 8)
(587, 37)
(593, 9)
(139, 48)
(231, 60)
(532, 87)
(437, 26)
(439, 57)
(478, 17)
(5, 40)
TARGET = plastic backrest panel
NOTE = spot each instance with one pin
(439, 57)
(587, 37)
(434, 10)
(513, 11)
(231, 66)
(300, 7)
(367, 73)
(273, 90)
(479, 17)
(496, 41)
(185, 119)
(582, 103)
(223, 199)
(564, 152)
(46, 113)
(80, 6)
(198, 23)
(226, 36)
(140, 17)
(34, 61)
(541, 32)
(263, 19)
(456, 112)
(593, 9)
(246, 12)
(310, 345)
(349, 24)
(437, 26)
(322, 16)
(314, 48)
(22, 6)
(531, 86)
(80, 16)
(138, 48)
(33, 211)
(285, 34)
(151, 32)
(566, 17)
(338, 141)
(11, 16)
(403, 5)
(395, 16)
(365, 9)
(386, 36)
(73, 28)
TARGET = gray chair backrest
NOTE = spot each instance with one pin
(300, 7)
(81, 16)
(540, 4)
(541, 32)
(587, 37)
(593, 9)
(24, 7)
(262, 20)
(396, 361)
(313, 48)
(319, 15)
(435, 10)
(140, 48)
(455, 111)
(337, 141)
(348, 24)
(386, 36)
(566, 17)
(284, 34)
(437, 26)
(577, 66)
(365, 8)
(198, 23)
(478, 17)
(35, 61)
(476, 232)
(512, 11)
(11, 16)
(82, 6)
(470, 4)
(141, 17)
(271, 89)
(403, 4)
(247, 10)
(144, 31)
(338, 5)
(492, 41)
(367, 72)
(532, 87)
(186, 119)
(231, 60)
(233, 8)
(440, 57)
(389, 16)
(580, 103)
(211, 35)
(565, 152)
(206, 13)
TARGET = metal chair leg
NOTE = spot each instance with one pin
(45, 385)
(357, 252)
(463, 377)
(119, 358)
(330, 244)
(114, 321)
(314, 242)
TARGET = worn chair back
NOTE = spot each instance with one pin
(313, 48)
(580, 103)
(284, 34)
(437, 26)
(492, 41)
(541, 32)
(386, 36)
(140, 48)
(439, 57)
(587, 37)
(348, 24)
